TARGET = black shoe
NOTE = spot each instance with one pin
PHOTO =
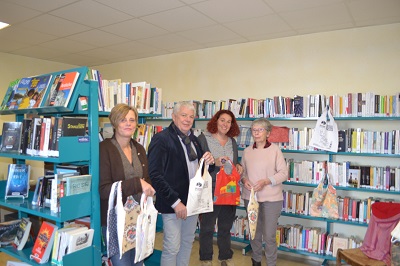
(255, 263)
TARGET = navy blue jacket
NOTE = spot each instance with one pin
(168, 170)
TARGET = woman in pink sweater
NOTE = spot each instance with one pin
(264, 170)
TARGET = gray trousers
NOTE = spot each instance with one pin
(267, 223)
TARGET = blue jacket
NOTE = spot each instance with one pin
(168, 170)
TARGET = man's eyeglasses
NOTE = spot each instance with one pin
(258, 130)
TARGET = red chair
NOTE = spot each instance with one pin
(376, 247)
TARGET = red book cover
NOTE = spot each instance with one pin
(346, 208)
(62, 88)
(43, 243)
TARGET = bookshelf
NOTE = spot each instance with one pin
(88, 147)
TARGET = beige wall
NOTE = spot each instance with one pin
(355, 60)
(364, 59)
(11, 68)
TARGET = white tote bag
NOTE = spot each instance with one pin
(146, 229)
(127, 215)
(325, 134)
(200, 192)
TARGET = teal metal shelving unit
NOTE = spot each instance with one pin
(84, 149)
(330, 156)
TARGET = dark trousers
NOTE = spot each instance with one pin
(226, 215)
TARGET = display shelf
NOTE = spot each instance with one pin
(82, 149)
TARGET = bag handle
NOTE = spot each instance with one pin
(201, 163)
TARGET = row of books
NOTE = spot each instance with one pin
(313, 239)
(40, 91)
(144, 97)
(350, 209)
(344, 174)
(355, 140)
(50, 189)
(366, 104)
(53, 243)
(40, 136)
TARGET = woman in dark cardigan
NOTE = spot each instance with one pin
(123, 159)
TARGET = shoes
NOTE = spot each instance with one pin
(255, 263)
(205, 262)
(228, 262)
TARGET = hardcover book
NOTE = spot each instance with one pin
(62, 89)
(17, 180)
(25, 134)
(354, 177)
(30, 92)
(22, 233)
(11, 137)
(44, 242)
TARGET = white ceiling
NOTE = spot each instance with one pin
(96, 32)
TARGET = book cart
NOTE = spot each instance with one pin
(388, 123)
(72, 150)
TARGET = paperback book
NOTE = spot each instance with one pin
(11, 137)
(44, 242)
(22, 233)
(17, 181)
(5, 105)
(61, 89)
(77, 184)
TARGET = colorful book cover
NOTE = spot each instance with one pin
(62, 88)
(37, 90)
(11, 137)
(20, 95)
(9, 94)
(18, 180)
(44, 243)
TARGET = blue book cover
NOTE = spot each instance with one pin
(18, 180)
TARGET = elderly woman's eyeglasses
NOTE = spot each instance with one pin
(258, 130)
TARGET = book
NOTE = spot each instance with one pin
(80, 240)
(68, 168)
(57, 242)
(62, 88)
(36, 191)
(11, 137)
(17, 263)
(74, 126)
(17, 180)
(25, 134)
(8, 232)
(9, 94)
(77, 184)
(22, 233)
(19, 95)
(354, 177)
(64, 241)
(44, 242)
(38, 88)
(339, 242)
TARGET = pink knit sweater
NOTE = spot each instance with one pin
(265, 163)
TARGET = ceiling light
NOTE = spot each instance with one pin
(3, 25)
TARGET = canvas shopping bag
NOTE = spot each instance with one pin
(330, 205)
(112, 232)
(227, 190)
(325, 134)
(127, 215)
(200, 192)
(317, 199)
(146, 229)
(252, 213)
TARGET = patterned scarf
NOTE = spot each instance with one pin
(187, 141)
